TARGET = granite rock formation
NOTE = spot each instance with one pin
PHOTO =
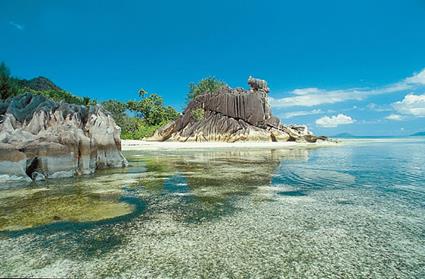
(41, 139)
(232, 115)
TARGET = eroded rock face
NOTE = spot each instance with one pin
(42, 139)
(232, 115)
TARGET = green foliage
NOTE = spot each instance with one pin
(206, 85)
(58, 96)
(198, 114)
(152, 110)
(11, 86)
(117, 110)
(136, 128)
(142, 93)
(149, 114)
(4, 81)
(137, 119)
(8, 87)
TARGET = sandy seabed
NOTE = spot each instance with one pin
(355, 211)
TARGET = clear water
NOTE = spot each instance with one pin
(352, 211)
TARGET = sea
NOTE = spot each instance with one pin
(355, 209)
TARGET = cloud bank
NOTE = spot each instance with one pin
(394, 117)
(334, 121)
(413, 105)
(301, 113)
(309, 97)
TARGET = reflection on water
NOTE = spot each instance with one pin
(196, 186)
(204, 183)
(349, 211)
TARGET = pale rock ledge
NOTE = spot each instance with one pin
(42, 139)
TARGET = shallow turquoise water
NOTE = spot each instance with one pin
(351, 211)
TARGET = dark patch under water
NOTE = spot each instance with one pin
(292, 193)
(80, 227)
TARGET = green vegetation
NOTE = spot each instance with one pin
(12, 86)
(7, 83)
(137, 119)
(151, 108)
(206, 85)
(198, 114)
(59, 96)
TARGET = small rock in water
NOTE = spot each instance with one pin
(36, 176)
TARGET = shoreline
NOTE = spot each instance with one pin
(129, 145)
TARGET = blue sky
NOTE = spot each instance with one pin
(337, 66)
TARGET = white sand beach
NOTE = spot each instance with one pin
(155, 145)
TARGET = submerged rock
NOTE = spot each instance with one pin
(233, 115)
(36, 176)
(40, 138)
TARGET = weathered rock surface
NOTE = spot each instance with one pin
(41, 139)
(233, 115)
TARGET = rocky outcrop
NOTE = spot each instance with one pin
(40, 139)
(233, 115)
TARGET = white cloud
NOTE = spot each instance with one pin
(394, 117)
(312, 96)
(306, 91)
(334, 121)
(411, 105)
(301, 113)
(16, 25)
(309, 98)
(418, 78)
(378, 108)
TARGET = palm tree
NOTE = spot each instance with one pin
(142, 93)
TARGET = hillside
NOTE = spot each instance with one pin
(44, 86)
(39, 84)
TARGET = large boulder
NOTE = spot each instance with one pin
(232, 115)
(42, 138)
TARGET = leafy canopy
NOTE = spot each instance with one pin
(7, 83)
(198, 114)
(12, 86)
(151, 108)
(206, 85)
(149, 112)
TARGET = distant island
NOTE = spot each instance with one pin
(344, 136)
(418, 134)
(351, 136)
